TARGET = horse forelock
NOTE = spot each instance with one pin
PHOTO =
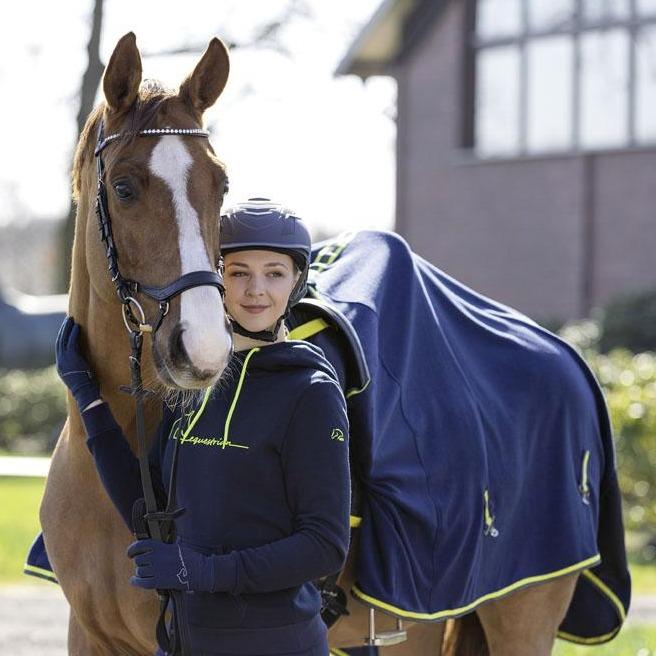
(141, 115)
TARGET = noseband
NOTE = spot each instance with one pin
(127, 289)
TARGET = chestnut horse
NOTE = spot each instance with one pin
(165, 194)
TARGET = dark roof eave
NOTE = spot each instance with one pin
(366, 70)
(415, 27)
(353, 63)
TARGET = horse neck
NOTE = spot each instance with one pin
(105, 340)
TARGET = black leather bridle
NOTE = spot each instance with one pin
(150, 521)
(126, 289)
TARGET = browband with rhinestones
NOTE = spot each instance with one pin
(152, 132)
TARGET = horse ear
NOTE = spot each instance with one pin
(123, 75)
(205, 84)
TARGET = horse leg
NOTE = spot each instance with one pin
(81, 643)
(526, 622)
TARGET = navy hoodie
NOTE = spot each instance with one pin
(263, 475)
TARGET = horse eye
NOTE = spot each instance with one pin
(123, 190)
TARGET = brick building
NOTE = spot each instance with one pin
(526, 143)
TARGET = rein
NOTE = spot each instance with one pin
(158, 522)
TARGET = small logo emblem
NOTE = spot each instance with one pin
(337, 434)
(183, 575)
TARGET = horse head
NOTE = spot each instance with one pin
(162, 186)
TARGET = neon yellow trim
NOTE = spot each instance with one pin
(225, 442)
(376, 603)
(308, 329)
(345, 239)
(486, 510)
(332, 250)
(355, 521)
(198, 414)
(338, 652)
(324, 252)
(597, 640)
(320, 266)
(584, 474)
(595, 580)
(33, 570)
(619, 607)
(354, 391)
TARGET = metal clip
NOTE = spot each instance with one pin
(384, 638)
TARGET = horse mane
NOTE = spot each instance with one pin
(151, 95)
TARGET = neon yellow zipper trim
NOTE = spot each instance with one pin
(584, 488)
(488, 518)
(355, 390)
(242, 375)
(197, 416)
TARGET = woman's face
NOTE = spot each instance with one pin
(257, 287)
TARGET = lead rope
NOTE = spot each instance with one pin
(176, 642)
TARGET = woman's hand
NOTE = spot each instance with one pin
(73, 368)
(174, 566)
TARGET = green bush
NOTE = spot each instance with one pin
(629, 321)
(32, 409)
(629, 383)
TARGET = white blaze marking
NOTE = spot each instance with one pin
(201, 311)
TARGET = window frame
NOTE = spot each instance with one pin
(575, 28)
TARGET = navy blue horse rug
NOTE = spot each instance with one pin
(483, 443)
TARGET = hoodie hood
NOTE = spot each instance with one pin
(286, 356)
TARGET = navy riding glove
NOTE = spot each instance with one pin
(174, 566)
(72, 367)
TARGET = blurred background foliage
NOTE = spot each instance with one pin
(628, 379)
(33, 404)
(32, 410)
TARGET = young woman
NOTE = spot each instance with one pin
(263, 464)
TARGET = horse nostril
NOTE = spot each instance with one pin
(177, 350)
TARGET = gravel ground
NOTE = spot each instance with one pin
(34, 618)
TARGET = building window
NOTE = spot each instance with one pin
(562, 75)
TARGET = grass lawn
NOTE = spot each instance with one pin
(632, 641)
(19, 524)
(643, 578)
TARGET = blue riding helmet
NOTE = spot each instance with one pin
(262, 224)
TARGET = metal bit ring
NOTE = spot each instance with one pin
(140, 319)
